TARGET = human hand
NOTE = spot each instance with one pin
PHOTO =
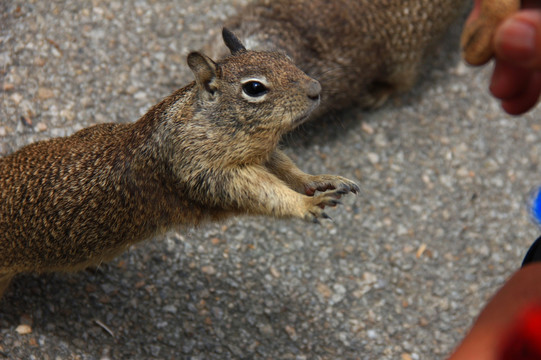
(516, 79)
(492, 328)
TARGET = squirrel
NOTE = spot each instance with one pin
(206, 152)
(361, 51)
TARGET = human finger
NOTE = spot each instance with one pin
(509, 81)
(518, 39)
(525, 101)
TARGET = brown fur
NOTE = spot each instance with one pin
(361, 51)
(205, 152)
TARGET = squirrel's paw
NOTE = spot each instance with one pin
(330, 182)
(317, 203)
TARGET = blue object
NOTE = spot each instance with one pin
(536, 207)
(534, 252)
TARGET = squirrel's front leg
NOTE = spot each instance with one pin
(281, 165)
(254, 190)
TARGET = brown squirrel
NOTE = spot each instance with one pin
(207, 151)
(361, 51)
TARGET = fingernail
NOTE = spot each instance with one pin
(515, 40)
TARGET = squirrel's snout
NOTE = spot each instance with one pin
(313, 89)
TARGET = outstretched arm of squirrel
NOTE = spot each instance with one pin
(281, 165)
(257, 191)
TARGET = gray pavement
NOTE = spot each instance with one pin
(441, 222)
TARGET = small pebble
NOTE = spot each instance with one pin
(367, 128)
(16, 98)
(208, 269)
(291, 332)
(27, 121)
(45, 93)
(274, 272)
(8, 87)
(324, 290)
(41, 126)
(67, 114)
(420, 251)
(39, 61)
(373, 157)
(23, 329)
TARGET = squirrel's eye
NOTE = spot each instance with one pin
(254, 89)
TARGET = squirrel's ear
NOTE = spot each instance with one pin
(232, 42)
(204, 70)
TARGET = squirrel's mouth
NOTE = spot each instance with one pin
(305, 115)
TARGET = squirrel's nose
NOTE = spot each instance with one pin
(313, 89)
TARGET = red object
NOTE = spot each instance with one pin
(523, 341)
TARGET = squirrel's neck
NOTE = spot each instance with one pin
(237, 137)
(150, 133)
(176, 105)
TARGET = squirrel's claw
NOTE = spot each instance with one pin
(318, 203)
(324, 183)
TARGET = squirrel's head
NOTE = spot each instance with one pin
(256, 90)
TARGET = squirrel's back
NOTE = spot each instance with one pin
(73, 201)
(50, 184)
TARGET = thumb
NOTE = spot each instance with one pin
(518, 40)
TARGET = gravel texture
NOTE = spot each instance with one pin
(401, 273)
